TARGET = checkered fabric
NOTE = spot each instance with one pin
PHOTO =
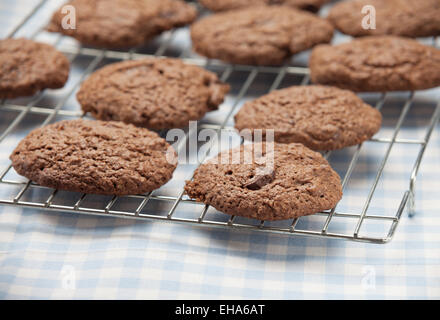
(55, 255)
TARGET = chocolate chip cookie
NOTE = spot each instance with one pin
(264, 35)
(95, 157)
(284, 181)
(408, 18)
(152, 93)
(27, 67)
(377, 63)
(122, 23)
(320, 117)
(224, 5)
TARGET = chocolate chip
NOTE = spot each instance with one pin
(262, 177)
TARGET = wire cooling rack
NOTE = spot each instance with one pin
(363, 168)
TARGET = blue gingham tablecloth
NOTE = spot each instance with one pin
(51, 255)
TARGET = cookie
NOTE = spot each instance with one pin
(152, 93)
(408, 18)
(321, 118)
(264, 35)
(289, 182)
(95, 157)
(122, 23)
(224, 5)
(377, 63)
(27, 67)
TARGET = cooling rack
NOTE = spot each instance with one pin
(362, 168)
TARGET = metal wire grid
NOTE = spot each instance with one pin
(199, 211)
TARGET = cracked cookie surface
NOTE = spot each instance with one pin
(408, 18)
(122, 23)
(377, 63)
(264, 35)
(95, 157)
(27, 67)
(224, 5)
(287, 182)
(320, 117)
(153, 93)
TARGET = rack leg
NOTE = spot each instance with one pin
(411, 202)
(412, 184)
